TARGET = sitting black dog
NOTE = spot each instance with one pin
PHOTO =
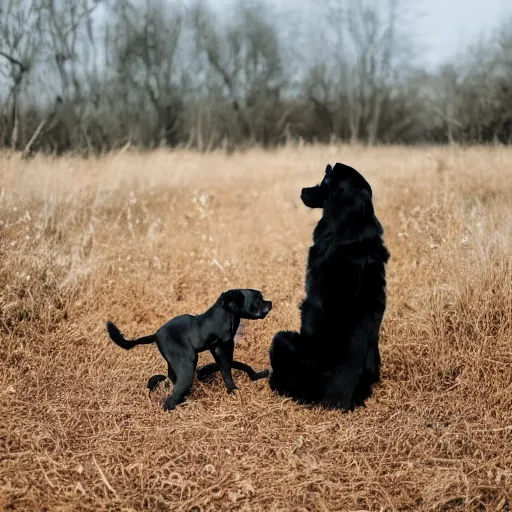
(182, 338)
(335, 359)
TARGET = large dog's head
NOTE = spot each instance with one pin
(342, 182)
(246, 303)
(343, 192)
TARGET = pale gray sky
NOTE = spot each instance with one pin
(449, 25)
(444, 27)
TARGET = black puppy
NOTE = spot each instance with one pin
(335, 358)
(182, 338)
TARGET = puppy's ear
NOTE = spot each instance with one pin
(233, 300)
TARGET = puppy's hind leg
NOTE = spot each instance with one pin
(182, 386)
(171, 373)
(154, 381)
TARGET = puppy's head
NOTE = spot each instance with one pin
(342, 190)
(246, 303)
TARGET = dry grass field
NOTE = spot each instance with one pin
(140, 238)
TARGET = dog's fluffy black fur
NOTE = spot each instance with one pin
(335, 359)
(182, 338)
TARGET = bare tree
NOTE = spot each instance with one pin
(71, 55)
(20, 29)
(147, 37)
(368, 50)
(245, 64)
(91, 75)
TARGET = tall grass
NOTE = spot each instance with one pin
(140, 238)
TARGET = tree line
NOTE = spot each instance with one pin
(93, 75)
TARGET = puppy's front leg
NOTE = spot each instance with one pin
(223, 360)
(228, 349)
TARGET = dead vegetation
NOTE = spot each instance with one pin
(140, 238)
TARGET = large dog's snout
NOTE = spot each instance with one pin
(313, 197)
(304, 195)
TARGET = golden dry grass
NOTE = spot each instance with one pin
(142, 238)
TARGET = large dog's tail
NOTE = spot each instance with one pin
(119, 339)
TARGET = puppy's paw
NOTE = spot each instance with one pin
(232, 389)
(261, 375)
(169, 405)
(154, 381)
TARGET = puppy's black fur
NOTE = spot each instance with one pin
(335, 358)
(182, 338)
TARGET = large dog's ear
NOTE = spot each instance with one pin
(233, 301)
(356, 179)
(327, 177)
(360, 207)
(353, 207)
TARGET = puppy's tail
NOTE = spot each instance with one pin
(119, 339)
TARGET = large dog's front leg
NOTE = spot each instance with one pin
(312, 318)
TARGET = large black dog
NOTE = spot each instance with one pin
(335, 359)
(182, 338)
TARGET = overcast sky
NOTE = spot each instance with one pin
(444, 27)
(448, 25)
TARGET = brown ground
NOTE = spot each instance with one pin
(142, 238)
